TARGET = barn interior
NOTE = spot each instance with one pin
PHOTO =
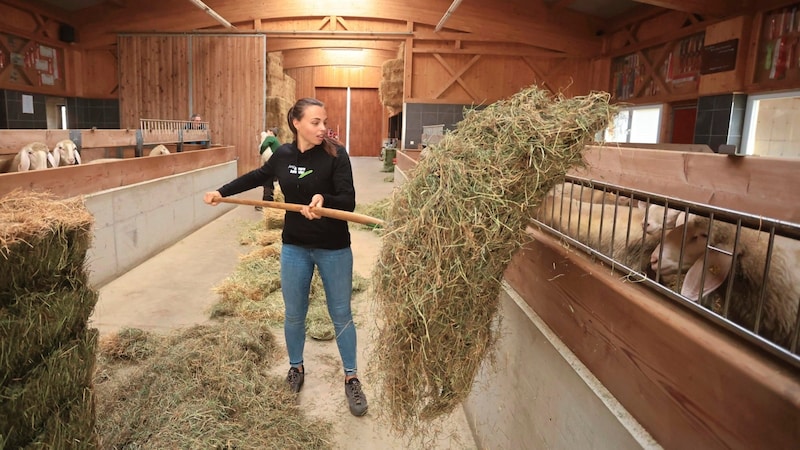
(597, 352)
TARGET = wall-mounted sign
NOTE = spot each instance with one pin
(719, 57)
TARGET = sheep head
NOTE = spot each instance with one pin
(66, 153)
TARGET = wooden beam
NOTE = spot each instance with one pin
(638, 14)
(496, 51)
(715, 8)
(320, 57)
(284, 44)
(669, 36)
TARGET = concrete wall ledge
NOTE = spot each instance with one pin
(137, 221)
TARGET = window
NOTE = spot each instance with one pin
(640, 124)
(770, 125)
(62, 109)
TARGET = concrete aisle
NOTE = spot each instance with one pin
(174, 290)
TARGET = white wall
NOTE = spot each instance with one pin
(135, 222)
(538, 395)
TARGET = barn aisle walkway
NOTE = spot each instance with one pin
(173, 290)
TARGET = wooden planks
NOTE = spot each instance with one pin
(756, 185)
(89, 178)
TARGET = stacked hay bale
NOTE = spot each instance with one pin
(46, 349)
(454, 226)
(391, 86)
(280, 96)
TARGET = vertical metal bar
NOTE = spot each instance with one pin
(764, 279)
(726, 301)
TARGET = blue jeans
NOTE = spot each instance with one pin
(336, 269)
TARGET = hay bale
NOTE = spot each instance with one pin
(33, 321)
(205, 387)
(43, 241)
(274, 67)
(276, 109)
(390, 88)
(71, 427)
(59, 379)
(453, 228)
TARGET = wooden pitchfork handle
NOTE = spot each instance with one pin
(325, 212)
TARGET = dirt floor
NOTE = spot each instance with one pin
(174, 290)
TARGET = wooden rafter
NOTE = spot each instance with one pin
(650, 69)
(455, 76)
(670, 36)
(715, 8)
(325, 21)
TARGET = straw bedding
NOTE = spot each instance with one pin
(454, 226)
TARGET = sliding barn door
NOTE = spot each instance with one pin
(366, 118)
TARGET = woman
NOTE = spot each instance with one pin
(312, 171)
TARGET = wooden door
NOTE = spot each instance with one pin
(366, 118)
(683, 121)
(335, 100)
(366, 122)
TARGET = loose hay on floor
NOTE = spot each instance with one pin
(453, 228)
(204, 387)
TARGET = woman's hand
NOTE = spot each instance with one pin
(211, 198)
(308, 211)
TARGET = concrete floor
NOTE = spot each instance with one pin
(174, 290)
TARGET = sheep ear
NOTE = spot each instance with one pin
(77, 156)
(672, 218)
(52, 160)
(681, 219)
(717, 270)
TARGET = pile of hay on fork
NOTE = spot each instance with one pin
(453, 228)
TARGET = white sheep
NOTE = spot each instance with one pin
(65, 153)
(595, 225)
(588, 194)
(656, 220)
(782, 292)
(34, 156)
(159, 150)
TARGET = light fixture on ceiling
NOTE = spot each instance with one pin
(447, 14)
(212, 13)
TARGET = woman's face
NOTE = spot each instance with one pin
(311, 128)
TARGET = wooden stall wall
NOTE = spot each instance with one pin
(95, 74)
(222, 77)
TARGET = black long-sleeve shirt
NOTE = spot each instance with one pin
(301, 175)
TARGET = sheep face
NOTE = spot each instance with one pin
(655, 218)
(66, 152)
(159, 150)
(670, 248)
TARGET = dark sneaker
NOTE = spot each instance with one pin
(355, 397)
(295, 379)
(259, 208)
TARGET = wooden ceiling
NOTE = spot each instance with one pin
(301, 28)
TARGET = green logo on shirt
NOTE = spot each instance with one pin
(305, 173)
